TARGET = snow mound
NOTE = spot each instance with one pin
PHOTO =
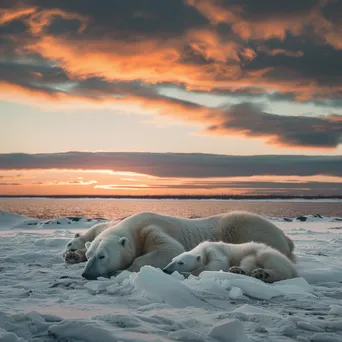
(306, 218)
(10, 221)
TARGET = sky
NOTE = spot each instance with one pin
(131, 97)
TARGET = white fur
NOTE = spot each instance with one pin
(78, 242)
(250, 258)
(154, 239)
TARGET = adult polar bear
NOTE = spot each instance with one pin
(153, 239)
(251, 258)
(75, 250)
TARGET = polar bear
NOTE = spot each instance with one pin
(154, 239)
(75, 250)
(251, 258)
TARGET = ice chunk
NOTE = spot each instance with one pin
(230, 330)
(122, 276)
(96, 286)
(308, 326)
(250, 286)
(335, 310)
(225, 276)
(236, 293)
(86, 331)
(186, 335)
(325, 337)
(113, 289)
(164, 288)
(323, 274)
(258, 290)
(300, 282)
(248, 310)
(295, 286)
(9, 336)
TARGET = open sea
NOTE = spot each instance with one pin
(47, 208)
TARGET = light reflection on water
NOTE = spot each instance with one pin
(116, 208)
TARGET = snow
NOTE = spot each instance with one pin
(230, 330)
(42, 299)
(10, 221)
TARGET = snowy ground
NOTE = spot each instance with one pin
(43, 300)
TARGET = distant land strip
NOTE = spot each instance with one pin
(182, 197)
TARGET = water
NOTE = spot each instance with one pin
(119, 208)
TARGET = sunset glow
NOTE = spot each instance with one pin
(165, 97)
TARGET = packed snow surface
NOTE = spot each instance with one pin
(42, 299)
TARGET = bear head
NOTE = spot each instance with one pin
(107, 256)
(76, 244)
(184, 263)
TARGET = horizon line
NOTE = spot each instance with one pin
(181, 196)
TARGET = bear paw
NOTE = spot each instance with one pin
(72, 257)
(237, 270)
(260, 273)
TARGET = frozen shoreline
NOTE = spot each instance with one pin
(43, 300)
(10, 221)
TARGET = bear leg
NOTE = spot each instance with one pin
(236, 270)
(247, 265)
(261, 274)
(274, 266)
(159, 248)
(76, 257)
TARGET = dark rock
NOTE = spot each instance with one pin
(301, 218)
(74, 218)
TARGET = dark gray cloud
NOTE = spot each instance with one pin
(178, 164)
(325, 132)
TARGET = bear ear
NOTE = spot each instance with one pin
(87, 245)
(77, 235)
(123, 241)
(198, 258)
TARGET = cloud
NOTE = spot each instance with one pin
(175, 165)
(10, 184)
(245, 119)
(105, 52)
(212, 185)
(296, 131)
(109, 41)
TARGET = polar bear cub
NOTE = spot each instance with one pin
(75, 250)
(253, 259)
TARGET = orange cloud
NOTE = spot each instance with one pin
(215, 12)
(276, 24)
(15, 13)
(274, 52)
(243, 119)
(157, 61)
(225, 48)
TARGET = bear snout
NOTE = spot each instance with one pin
(88, 276)
(170, 268)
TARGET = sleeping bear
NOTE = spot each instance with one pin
(75, 250)
(154, 239)
(251, 258)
